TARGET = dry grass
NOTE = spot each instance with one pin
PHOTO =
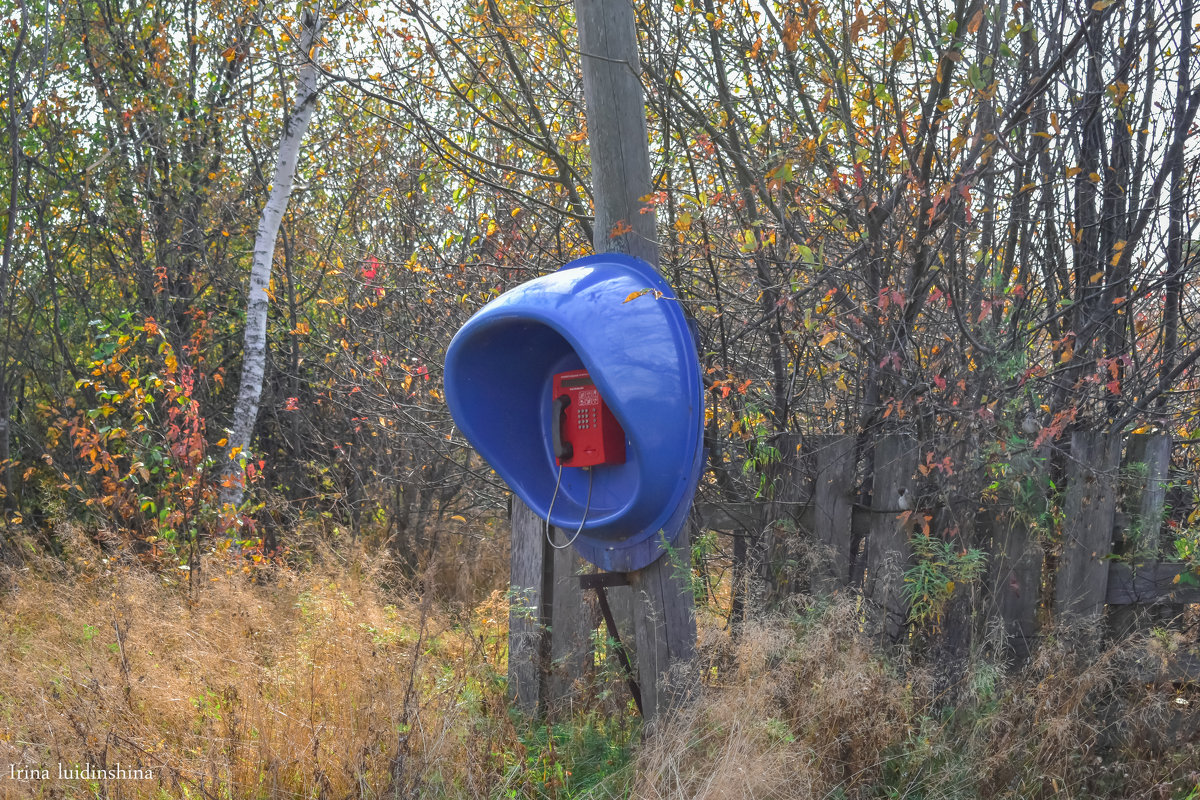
(807, 709)
(321, 683)
(312, 684)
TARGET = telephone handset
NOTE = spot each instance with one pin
(584, 432)
(563, 450)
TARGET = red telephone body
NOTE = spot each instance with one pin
(585, 432)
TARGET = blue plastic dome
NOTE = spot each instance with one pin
(641, 356)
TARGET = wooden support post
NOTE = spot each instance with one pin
(528, 616)
(1088, 509)
(572, 622)
(888, 549)
(789, 487)
(664, 610)
(834, 506)
(665, 629)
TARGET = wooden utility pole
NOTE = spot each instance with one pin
(663, 607)
(616, 121)
(653, 607)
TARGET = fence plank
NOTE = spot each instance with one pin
(1138, 523)
(528, 647)
(1089, 507)
(1016, 565)
(1153, 450)
(834, 507)
(888, 549)
(790, 482)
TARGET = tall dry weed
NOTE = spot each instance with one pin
(311, 684)
(807, 708)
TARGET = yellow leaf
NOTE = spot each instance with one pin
(635, 295)
(1073, 171)
(828, 337)
(459, 518)
(234, 453)
(1100, 5)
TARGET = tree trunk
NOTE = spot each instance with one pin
(254, 355)
(16, 157)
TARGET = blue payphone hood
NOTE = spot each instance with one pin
(614, 316)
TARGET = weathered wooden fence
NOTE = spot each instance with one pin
(1086, 545)
(1072, 534)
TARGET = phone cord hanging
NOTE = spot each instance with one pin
(582, 520)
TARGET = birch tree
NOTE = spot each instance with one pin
(254, 353)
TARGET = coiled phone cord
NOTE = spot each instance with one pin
(550, 511)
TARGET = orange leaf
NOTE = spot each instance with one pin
(620, 229)
(791, 33)
(973, 25)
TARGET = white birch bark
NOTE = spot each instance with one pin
(254, 353)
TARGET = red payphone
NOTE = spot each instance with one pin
(585, 432)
